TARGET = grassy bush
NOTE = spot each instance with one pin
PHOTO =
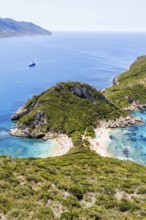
(141, 190)
(126, 205)
(76, 191)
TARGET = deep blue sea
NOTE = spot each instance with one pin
(94, 58)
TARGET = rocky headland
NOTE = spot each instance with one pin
(73, 108)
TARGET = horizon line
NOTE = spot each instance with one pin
(120, 31)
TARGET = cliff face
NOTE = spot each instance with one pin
(72, 108)
(12, 28)
(129, 89)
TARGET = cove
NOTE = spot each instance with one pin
(129, 143)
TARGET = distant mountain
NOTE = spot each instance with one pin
(12, 28)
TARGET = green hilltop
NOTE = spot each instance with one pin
(71, 108)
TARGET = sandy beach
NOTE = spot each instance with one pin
(63, 145)
(100, 142)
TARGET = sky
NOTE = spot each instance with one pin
(79, 15)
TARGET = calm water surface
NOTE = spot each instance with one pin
(94, 58)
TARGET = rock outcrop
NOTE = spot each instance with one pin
(115, 80)
(84, 91)
(122, 122)
(21, 112)
(33, 129)
(135, 106)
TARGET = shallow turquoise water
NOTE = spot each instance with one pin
(129, 143)
(94, 58)
(23, 147)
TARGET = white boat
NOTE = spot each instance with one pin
(32, 64)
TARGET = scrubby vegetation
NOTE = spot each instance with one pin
(72, 108)
(131, 85)
(81, 185)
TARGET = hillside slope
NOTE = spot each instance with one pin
(12, 28)
(80, 185)
(130, 88)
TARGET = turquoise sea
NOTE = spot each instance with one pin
(94, 58)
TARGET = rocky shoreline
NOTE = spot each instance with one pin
(121, 122)
(135, 106)
(64, 143)
(20, 112)
(98, 144)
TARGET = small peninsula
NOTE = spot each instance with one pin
(73, 109)
(12, 28)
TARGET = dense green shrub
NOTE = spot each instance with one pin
(68, 216)
(126, 205)
(44, 213)
(141, 190)
(76, 191)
